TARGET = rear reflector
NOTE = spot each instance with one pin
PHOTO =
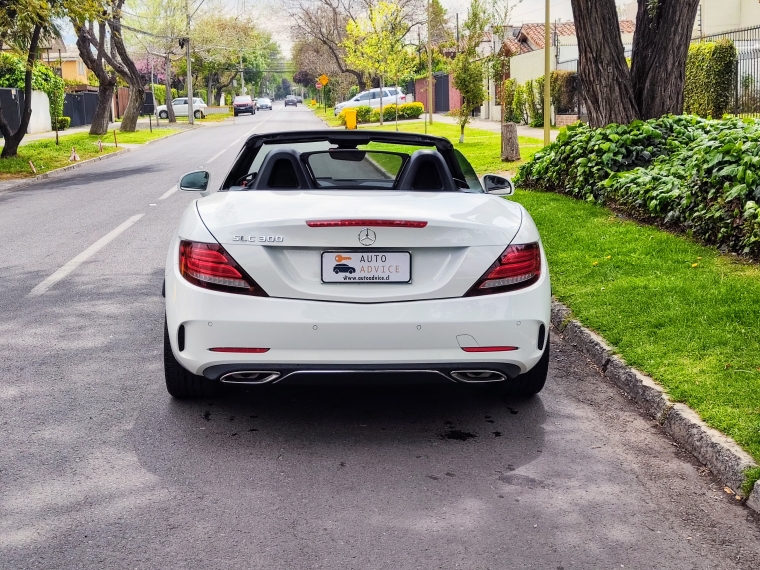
(239, 349)
(364, 223)
(489, 348)
(519, 266)
(208, 265)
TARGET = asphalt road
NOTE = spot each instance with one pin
(99, 468)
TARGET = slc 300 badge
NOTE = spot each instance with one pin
(258, 239)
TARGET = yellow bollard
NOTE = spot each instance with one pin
(350, 118)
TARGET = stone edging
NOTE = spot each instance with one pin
(23, 183)
(721, 454)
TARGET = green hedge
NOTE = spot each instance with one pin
(366, 114)
(686, 173)
(13, 72)
(64, 123)
(159, 93)
(710, 78)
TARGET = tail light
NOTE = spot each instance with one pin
(403, 97)
(208, 265)
(518, 267)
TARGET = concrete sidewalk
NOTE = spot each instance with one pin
(142, 121)
(493, 126)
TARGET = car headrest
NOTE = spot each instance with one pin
(426, 171)
(281, 170)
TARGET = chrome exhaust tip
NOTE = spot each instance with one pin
(249, 377)
(478, 376)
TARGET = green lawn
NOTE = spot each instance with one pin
(328, 116)
(482, 148)
(679, 311)
(46, 156)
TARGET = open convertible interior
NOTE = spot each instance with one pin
(351, 160)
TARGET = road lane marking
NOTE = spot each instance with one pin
(169, 192)
(217, 155)
(82, 257)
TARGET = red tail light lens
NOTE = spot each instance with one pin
(208, 265)
(519, 266)
(365, 223)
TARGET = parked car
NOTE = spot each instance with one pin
(371, 98)
(243, 104)
(264, 103)
(180, 107)
(320, 254)
(291, 100)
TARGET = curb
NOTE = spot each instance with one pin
(721, 454)
(34, 179)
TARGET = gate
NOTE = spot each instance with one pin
(80, 107)
(441, 92)
(12, 100)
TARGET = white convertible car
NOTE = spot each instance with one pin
(354, 252)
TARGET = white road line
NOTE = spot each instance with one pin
(169, 192)
(217, 155)
(82, 257)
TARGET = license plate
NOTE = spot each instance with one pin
(366, 267)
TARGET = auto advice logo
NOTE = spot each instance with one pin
(367, 237)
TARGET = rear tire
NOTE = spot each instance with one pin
(198, 115)
(530, 383)
(180, 383)
(163, 115)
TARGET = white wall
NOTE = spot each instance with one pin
(528, 66)
(40, 121)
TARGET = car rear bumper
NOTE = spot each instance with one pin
(306, 334)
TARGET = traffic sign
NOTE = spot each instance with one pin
(323, 79)
(319, 85)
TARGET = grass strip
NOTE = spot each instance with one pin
(481, 148)
(46, 156)
(680, 312)
(326, 116)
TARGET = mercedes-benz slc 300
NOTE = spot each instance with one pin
(360, 253)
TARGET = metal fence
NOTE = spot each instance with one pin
(747, 95)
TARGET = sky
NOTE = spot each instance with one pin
(271, 15)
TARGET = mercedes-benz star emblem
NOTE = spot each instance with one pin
(367, 237)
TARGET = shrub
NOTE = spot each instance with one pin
(159, 94)
(710, 78)
(64, 123)
(691, 174)
(508, 92)
(353, 91)
(520, 105)
(410, 110)
(12, 74)
(563, 90)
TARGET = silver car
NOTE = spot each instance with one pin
(371, 98)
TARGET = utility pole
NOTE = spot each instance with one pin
(242, 76)
(547, 78)
(190, 112)
(430, 69)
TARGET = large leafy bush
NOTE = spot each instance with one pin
(696, 175)
(12, 74)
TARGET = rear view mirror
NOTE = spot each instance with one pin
(194, 181)
(498, 185)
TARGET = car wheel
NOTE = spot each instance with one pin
(336, 271)
(530, 383)
(351, 271)
(163, 115)
(198, 115)
(234, 114)
(180, 383)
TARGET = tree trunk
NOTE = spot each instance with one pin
(102, 114)
(510, 146)
(660, 47)
(607, 89)
(13, 140)
(134, 107)
(462, 124)
(168, 87)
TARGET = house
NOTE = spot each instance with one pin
(72, 66)
(525, 47)
(717, 16)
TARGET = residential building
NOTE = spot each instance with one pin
(72, 66)
(717, 16)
